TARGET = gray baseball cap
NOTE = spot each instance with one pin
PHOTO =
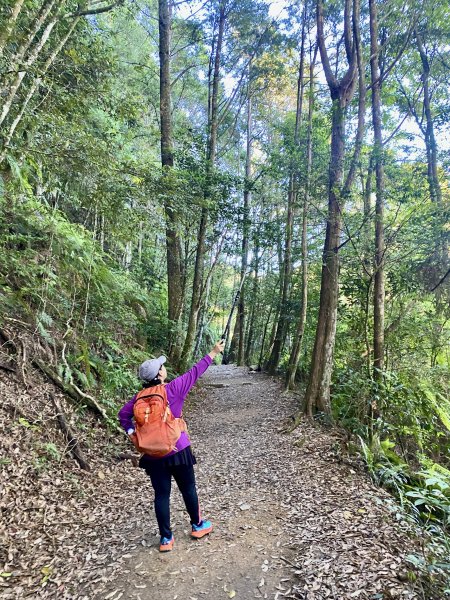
(150, 368)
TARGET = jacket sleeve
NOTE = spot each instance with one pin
(180, 386)
(126, 414)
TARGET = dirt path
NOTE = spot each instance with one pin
(291, 520)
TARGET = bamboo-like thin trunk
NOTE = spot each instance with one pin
(378, 290)
(294, 358)
(8, 26)
(246, 228)
(255, 290)
(14, 88)
(430, 138)
(237, 346)
(35, 86)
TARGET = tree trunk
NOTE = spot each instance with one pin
(8, 26)
(17, 82)
(378, 291)
(263, 341)
(246, 228)
(197, 286)
(298, 338)
(237, 346)
(282, 325)
(173, 244)
(318, 391)
(430, 139)
(35, 86)
(255, 290)
(202, 318)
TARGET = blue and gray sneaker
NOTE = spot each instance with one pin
(166, 544)
(203, 528)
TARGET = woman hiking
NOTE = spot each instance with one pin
(148, 408)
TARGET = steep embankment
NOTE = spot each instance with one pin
(291, 519)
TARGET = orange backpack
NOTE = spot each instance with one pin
(157, 430)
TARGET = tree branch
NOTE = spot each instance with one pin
(441, 281)
(95, 11)
(331, 79)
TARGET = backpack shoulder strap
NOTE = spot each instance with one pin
(157, 390)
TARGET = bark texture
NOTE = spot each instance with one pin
(173, 244)
(341, 91)
(378, 291)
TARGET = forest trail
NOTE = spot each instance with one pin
(290, 519)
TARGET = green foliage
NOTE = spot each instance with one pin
(83, 208)
(61, 275)
(52, 451)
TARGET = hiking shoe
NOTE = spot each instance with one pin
(166, 544)
(203, 528)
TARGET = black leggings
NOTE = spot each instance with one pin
(161, 478)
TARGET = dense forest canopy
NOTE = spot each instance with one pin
(156, 158)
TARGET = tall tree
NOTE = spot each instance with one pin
(8, 24)
(255, 291)
(173, 243)
(213, 117)
(430, 137)
(294, 357)
(378, 290)
(237, 346)
(341, 91)
(282, 326)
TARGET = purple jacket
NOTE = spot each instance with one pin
(177, 390)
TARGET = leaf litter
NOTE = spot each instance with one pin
(284, 505)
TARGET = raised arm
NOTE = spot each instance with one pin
(180, 386)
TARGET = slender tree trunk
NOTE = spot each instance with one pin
(173, 243)
(263, 341)
(299, 333)
(102, 232)
(197, 286)
(430, 139)
(196, 291)
(14, 87)
(282, 325)
(8, 26)
(367, 270)
(237, 346)
(202, 323)
(276, 316)
(35, 86)
(34, 29)
(379, 294)
(246, 228)
(255, 291)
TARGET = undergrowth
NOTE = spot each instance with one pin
(83, 309)
(406, 450)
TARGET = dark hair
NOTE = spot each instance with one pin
(152, 383)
